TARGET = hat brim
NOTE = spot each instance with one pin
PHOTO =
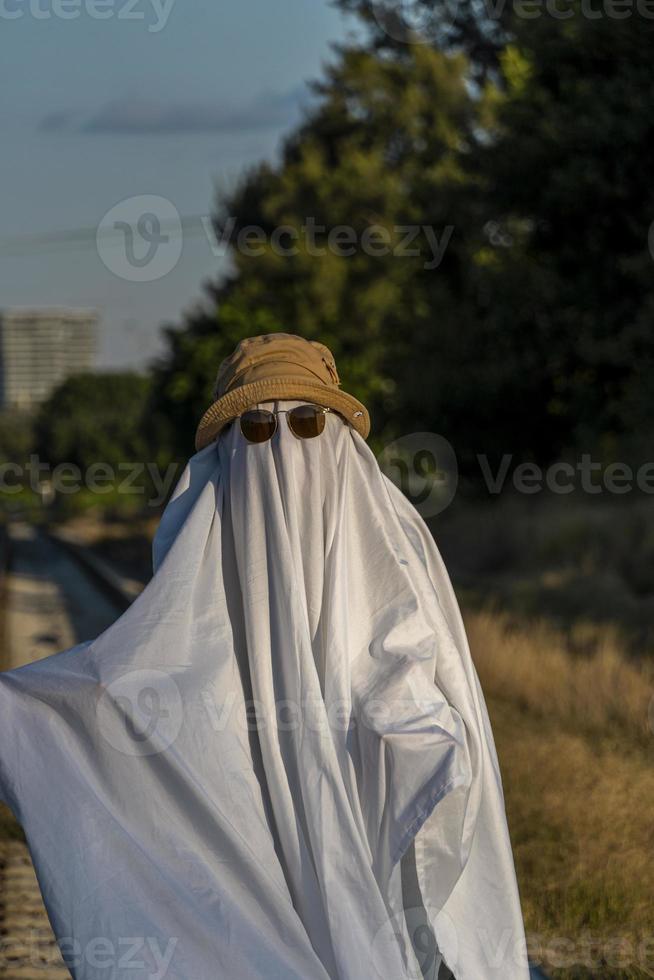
(238, 400)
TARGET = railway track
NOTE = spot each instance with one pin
(53, 600)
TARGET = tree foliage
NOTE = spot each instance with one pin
(94, 418)
(520, 144)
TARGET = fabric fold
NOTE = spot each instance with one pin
(279, 757)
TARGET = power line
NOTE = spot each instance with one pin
(72, 239)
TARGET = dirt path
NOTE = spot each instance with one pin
(51, 605)
(28, 947)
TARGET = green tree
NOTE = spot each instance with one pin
(531, 335)
(478, 29)
(379, 154)
(569, 191)
(16, 436)
(94, 418)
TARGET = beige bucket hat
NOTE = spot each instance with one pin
(276, 366)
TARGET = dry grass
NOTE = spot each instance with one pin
(576, 755)
(562, 558)
(541, 670)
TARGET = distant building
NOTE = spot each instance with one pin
(41, 348)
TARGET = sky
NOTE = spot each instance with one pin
(120, 118)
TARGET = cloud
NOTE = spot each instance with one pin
(136, 117)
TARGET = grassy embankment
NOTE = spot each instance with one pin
(573, 742)
(558, 602)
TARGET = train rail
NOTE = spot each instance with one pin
(55, 595)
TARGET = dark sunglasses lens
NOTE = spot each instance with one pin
(306, 421)
(257, 425)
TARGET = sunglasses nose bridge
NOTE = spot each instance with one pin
(304, 422)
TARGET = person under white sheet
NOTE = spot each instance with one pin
(277, 763)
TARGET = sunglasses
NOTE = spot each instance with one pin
(304, 421)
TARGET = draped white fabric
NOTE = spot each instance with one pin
(277, 763)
